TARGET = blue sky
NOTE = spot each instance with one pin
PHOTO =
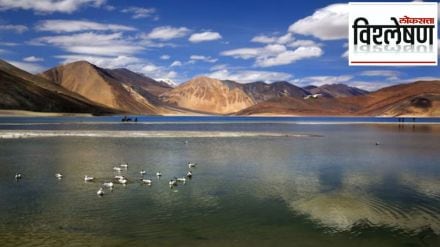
(242, 40)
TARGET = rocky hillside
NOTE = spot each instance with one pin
(208, 95)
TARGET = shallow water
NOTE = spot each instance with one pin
(258, 183)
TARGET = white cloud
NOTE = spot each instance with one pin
(176, 63)
(303, 42)
(14, 28)
(328, 23)
(288, 57)
(49, 6)
(92, 43)
(274, 54)
(33, 59)
(29, 67)
(264, 39)
(139, 13)
(204, 36)
(245, 76)
(391, 75)
(219, 67)
(165, 57)
(321, 80)
(207, 59)
(104, 62)
(243, 53)
(132, 63)
(283, 39)
(167, 33)
(345, 54)
(66, 26)
(9, 43)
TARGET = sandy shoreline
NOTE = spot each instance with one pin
(20, 113)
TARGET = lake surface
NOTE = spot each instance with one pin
(259, 182)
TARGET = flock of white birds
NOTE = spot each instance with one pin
(120, 179)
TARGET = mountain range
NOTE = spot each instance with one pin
(82, 87)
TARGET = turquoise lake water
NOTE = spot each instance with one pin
(259, 182)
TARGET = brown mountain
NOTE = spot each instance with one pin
(260, 91)
(20, 90)
(413, 99)
(336, 90)
(208, 95)
(103, 86)
(420, 98)
(296, 107)
(146, 86)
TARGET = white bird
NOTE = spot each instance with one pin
(123, 181)
(147, 181)
(108, 184)
(100, 192)
(59, 175)
(119, 177)
(118, 169)
(181, 180)
(158, 174)
(18, 176)
(88, 178)
(191, 165)
(124, 165)
(142, 172)
(189, 174)
(172, 183)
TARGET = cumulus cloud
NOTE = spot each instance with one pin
(274, 54)
(33, 59)
(139, 12)
(103, 44)
(328, 23)
(67, 26)
(207, 59)
(204, 36)
(49, 6)
(14, 28)
(29, 67)
(321, 80)
(167, 33)
(245, 76)
(283, 39)
(165, 57)
(288, 57)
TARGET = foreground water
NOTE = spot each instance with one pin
(260, 182)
